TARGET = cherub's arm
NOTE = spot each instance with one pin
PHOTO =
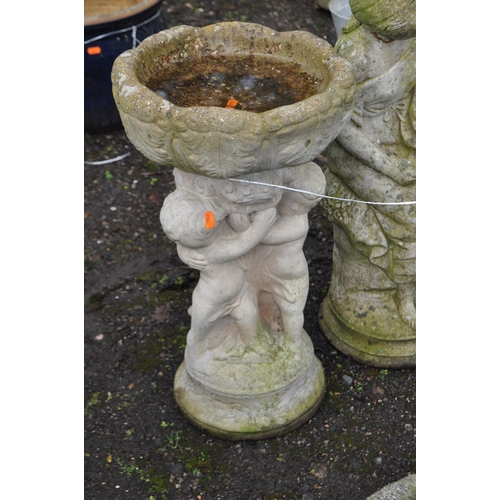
(192, 257)
(231, 245)
(287, 229)
(355, 142)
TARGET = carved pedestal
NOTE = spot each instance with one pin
(249, 371)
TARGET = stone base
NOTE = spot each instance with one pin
(382, 353)
(256, 413)
(404, 489)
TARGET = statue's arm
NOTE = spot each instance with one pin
(356, 143)
(231, 245)
(287, 229)
(192, 257)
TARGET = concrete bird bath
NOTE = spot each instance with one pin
(238, 109)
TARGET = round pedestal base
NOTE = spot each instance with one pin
(382, 353)
(255, 415)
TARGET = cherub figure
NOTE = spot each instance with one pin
(283, 275)
(206, 241)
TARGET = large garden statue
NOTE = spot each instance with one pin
(370, 310)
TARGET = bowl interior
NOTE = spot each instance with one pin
(251, 82)
(253, 65)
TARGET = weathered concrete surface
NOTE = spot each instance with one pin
(249, 369)
(404, 489)
(370, 311)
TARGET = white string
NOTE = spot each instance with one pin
(134, 36)
(133, 29)
(103, 162)
(329, 197)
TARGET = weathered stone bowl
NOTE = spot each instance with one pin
(209, 139)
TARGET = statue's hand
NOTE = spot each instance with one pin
(192, 258)
(238, 222)
(197, 262)
(265, 218)
(403, 172)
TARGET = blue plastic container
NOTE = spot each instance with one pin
(108, 33)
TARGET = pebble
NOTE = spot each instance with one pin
(347, 380)
(99, 337)
(355, 463)
(408, 427)
(176, 469)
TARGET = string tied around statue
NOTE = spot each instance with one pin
(394, 203)
(326, 196)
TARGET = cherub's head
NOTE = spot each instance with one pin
(189, 219)
(310, 178)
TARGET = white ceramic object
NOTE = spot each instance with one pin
(341, 13)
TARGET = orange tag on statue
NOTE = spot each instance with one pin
(231, 104)
(209, 218)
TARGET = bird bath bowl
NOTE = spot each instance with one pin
(239, 100)
(188, 127)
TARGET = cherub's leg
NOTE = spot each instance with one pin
(203, 316)
(292, 307)
(246, 317)
(216, 298)
(212, 299)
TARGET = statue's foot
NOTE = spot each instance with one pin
(263, 343)
(231, 351)
(405, 301)
(259, 350)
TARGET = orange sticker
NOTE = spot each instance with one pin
(93, 51)
(232, 103)
(209, 218)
